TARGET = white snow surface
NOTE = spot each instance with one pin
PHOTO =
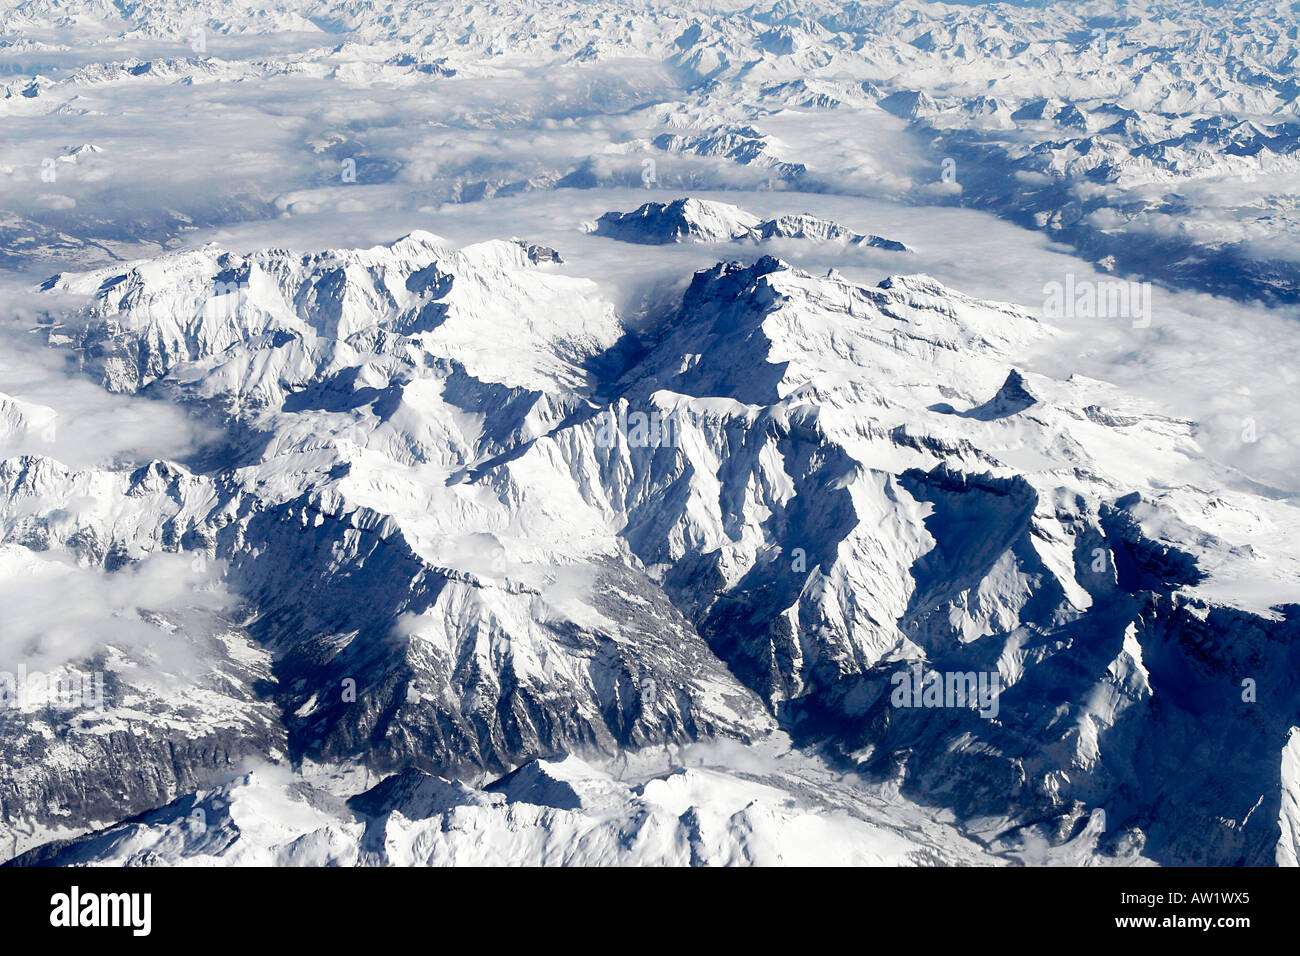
(484, 432)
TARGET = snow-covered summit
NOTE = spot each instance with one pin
(682, 220)
(697, 220)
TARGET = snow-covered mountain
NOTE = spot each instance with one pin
(694, 220)
(472, 527)
(421, 461)
(562, 812)
(687, 220)
(1161, 141)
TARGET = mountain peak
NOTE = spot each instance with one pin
(682, 220)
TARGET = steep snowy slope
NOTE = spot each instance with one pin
(414, 617)
(475, 527)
